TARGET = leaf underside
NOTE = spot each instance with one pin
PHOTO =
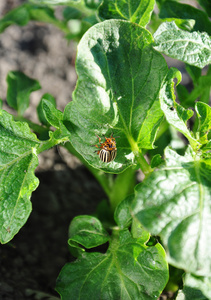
(193, 48)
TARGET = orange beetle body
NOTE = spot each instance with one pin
(108, 149)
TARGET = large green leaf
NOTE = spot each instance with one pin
(19, 89)
(132, 10)
(18, 160)
(175, 203)
(128, 270)
(173, 9)
(119, 79)
(195, 288)
(192, 48)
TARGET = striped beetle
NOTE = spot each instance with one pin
(108, 149)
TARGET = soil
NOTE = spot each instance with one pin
(31, 262)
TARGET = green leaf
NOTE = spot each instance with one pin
(86, 231)
(17, 16)
(1, 103)
(45, 14)
(18, 160)
(40, 112)
(19, 89)
(156, 161)
(192, 48)
(71, 13)
(207, 149)
(93, 4)
(119, 78)
(194, 72)
(123, 218)
(195, 288)
(186, 24)
(132, 10)
(54, 2)
(201, 91)
(206, 4)
(175, 114)
(173, 9)
(139, 232)
(129, 270)
(26, 12)
(122, 215)
(204, 115)
(175, 203)
(52, 115)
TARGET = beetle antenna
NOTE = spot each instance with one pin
(115, 137)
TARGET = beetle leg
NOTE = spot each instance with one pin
(98, 138)
(94, 146)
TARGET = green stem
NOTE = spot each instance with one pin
(162, 129)
(51, 143)
(145, 167)
(122, 187)
(113, 245)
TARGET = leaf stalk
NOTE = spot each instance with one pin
(145, 167)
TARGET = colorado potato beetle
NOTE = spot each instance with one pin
(108, 149)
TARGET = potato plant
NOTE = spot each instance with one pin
(124, 89)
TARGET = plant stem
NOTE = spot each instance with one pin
(51, 143)
(122, 186)
(162, 129)
(114, 240)
(145, 167)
